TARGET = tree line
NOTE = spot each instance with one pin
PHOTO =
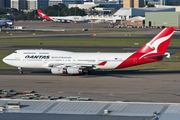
(55, 10)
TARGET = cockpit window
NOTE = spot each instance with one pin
(15, 52)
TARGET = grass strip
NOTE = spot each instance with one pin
(80, 41)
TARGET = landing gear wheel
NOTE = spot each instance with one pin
(21, 72)
(89, 73)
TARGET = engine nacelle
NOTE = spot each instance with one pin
(74, 70)
(58, 70)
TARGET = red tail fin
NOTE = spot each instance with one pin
(43, 16)
(155, 47)
(159, 44)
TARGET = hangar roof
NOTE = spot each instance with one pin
(136, 109)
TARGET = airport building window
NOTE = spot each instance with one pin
(35, 4)
(12, 4)
(28, 5)
(22, 5)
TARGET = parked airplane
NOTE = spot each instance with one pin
(60, 18)
(61, 62)
(6, 23)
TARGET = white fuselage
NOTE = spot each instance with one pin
(44, 58)
(68, 18)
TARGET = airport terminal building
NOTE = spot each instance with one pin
(124, 14)
(37, 4)
(157, 19)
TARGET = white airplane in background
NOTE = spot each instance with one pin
(6, 23)
(64, 62)
(61, 19)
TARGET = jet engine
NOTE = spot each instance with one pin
(58, 70)
(74, 70)
(68, 70)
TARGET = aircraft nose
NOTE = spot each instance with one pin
(4, 60)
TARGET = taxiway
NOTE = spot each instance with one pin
(122, 85)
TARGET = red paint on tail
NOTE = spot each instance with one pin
(156, 46)
(43, 16)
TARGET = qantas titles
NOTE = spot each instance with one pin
(46, 57)
(37, 57)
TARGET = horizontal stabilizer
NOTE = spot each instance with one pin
(165, 56)
(156, 57)
(172, 53)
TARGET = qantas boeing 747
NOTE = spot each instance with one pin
(60, 18)
(64, 62)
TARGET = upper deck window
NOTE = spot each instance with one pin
(29, 53)
(43, 53)
(14, 52)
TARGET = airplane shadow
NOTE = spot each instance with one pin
(115, 73)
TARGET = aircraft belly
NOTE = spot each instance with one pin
(31, 64)
(15, 63)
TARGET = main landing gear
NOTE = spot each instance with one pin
(20, 70)
(87, 72)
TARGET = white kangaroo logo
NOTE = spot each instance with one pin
(42, 14)
(154, 44)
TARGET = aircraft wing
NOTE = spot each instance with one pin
(77, 65)
(72, 65)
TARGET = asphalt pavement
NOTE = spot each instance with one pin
(121, 85)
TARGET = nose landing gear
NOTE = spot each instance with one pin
(20, 71)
